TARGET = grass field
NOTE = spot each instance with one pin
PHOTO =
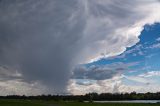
(22, 103)
(52, 103)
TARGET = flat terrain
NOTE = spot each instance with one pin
(52, 103)
(21, 103)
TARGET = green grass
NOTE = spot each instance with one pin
(52, 103)
(22, 103)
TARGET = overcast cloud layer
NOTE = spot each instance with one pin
(42, 40)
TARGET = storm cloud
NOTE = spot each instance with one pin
(42, 40)
(101, 72)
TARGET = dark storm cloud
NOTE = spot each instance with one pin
(95, 73)
(101, 72)
(36, 39)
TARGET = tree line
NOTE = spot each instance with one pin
(90, 97)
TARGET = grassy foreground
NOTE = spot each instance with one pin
(22, 103)
(51, 103)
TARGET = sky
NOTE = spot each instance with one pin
(79, 46)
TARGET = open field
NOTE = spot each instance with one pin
(52, 103)
(22, 103)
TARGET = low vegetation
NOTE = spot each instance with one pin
(79, 100)
(9, 102)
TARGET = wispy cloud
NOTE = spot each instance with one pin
(158, 39)
(150, 74)
(155, 46)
